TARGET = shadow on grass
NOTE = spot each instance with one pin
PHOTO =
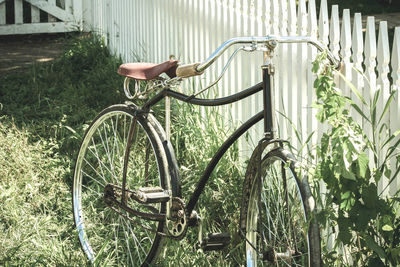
(56, 100)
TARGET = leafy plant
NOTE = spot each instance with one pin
(353, 164)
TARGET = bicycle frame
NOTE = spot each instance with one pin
(268, 44)
(266, 113)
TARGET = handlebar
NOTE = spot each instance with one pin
(270, 42)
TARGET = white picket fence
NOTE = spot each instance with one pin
(57, 16)
(152, 30)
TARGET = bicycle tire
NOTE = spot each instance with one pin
(107, 236)
(280, 229)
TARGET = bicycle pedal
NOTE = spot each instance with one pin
(150, 195)
(216, 241)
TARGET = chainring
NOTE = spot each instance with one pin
(177, 225)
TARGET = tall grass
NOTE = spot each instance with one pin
(43, 118)
(35, 212)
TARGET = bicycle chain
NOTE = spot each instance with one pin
(135, 222)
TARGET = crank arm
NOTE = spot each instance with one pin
(149, 216)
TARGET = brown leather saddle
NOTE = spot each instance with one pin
(148, 71)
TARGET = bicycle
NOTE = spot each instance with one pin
(127, 191)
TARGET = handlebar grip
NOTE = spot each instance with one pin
(188, 70)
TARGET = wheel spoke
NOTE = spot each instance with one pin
(276, 211)
(105, 233)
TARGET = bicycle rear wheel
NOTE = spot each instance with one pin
(109, 234)
(279, 227)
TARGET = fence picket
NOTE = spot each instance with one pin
(311, 97)
(396, 60)
(370, 56)
(2, 13)
(51, 18)
(68, 6)
(77, 6)
(323, 36)
(292, 67)
(345, 44)
(370, 76)
(334, 34)
(18, 12)
(357, 58)
(267, 16)
(283, 15)
(302, 72)
(383, 58)
(395, 106)
(35, 14)
(275, 21)
(226, 90)
(282, 72)
(323, 25)
(292, 18)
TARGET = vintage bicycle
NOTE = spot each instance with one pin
(127, 188)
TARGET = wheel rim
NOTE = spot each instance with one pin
(105, 235)
(272, 238)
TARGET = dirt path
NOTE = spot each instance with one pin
(18, 53)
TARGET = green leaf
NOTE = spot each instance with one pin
(387, 105)
(387, 228)
(373, 107)
(363, 217)
(374, 246)
(362, 164)
(358, 109)
(348, 174)
(345, 236)
(369, 196)
(347, 200)
(315, 66)
(352, 87)
(375, 262)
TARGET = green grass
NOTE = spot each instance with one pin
(43, 116)
(35, 211)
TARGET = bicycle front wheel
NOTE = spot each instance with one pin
(108, 233)
(279, 227)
